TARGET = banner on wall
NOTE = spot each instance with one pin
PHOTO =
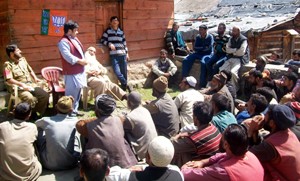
(53, 21)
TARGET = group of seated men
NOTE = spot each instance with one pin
(206, 134)
(198, 131)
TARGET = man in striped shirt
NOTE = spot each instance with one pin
(200, 144)
(114, 38)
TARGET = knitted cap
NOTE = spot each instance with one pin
(65, 104)
(161, 151)
(161, 84)
(191, 81)
(105, 104)
(283, 116)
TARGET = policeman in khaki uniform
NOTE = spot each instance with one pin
(18, 72)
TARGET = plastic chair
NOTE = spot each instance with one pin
(13, 98)
(52, 75)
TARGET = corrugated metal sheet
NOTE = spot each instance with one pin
(254, 2)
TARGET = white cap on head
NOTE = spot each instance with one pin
(191, 81)
(161, 151)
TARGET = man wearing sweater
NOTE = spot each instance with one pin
(203, 46)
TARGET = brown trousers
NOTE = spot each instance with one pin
(102, 85)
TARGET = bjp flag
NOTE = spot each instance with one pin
(53, 22)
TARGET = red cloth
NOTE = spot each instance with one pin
(287, 165)
(69, 69)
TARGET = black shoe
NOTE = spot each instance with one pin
(123, 87)
(129, 88)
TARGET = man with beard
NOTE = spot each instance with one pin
(218, 85)
(18, 72)
(238, 53)
(219, 56)
(185, 100)
(230, 165)
(280, 149)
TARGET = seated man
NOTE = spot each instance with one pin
(218, 85)
(238, 54)
(162, 67)
(202, 143)
(57, 136)
(237, 163)
(285, 85)
(275, 59)
(203, 46)
(17, 155)
(221, 109)
(279, 150)
(296, 58)
(185, 100)
(255, 105)
(163, 110)
(175, 42)
(159, 156)
(138, 125)
(18, 72)
(107, 132)
(97, 78)
(94, 165)
(219, 56)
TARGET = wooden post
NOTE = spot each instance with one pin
(289, 43)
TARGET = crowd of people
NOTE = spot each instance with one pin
(209, 131)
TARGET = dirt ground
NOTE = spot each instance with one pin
(194, 6)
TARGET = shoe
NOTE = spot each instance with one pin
(75, 114)
(123, 87)
(124, 97)
(129, 88)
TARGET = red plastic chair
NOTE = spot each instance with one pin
(52, 76)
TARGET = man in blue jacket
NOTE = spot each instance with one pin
(203, 49)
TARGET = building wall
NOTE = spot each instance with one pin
(144, 23)
(4, 30)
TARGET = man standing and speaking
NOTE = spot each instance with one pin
(73, 62)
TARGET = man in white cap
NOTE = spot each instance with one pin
(56, 137)
(185, 100)
(238, 53)
(159, 156)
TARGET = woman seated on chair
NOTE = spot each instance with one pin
(97, 78)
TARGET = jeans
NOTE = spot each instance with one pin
(119, 65)
(213, 65)
(188, 62)
(203, 62)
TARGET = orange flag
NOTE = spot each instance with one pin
(57, 21)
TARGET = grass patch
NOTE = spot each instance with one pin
(145, 93)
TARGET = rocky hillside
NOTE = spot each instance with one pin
(191, 7)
